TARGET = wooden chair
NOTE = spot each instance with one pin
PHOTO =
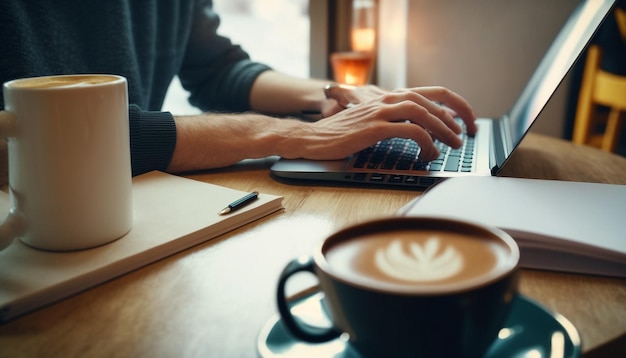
(605, 89)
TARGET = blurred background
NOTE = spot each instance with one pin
(275, 32)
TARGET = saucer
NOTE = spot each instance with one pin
(530, 331)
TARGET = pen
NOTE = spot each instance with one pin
(240, 203)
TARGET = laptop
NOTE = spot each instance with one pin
(395, 161)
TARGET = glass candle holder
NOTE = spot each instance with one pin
(352, 68)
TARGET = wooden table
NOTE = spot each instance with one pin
(212, 300)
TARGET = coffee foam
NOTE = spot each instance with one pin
(63, 81)
(421, 263)
(418, 260)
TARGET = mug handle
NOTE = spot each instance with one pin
(295, 325)
(15, 223)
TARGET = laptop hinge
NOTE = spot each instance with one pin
(499, 145)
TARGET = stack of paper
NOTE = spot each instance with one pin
(170, 214)
(559, 225)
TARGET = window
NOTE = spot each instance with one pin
(274, 32)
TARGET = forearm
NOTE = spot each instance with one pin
(214, 140)
(282, 94)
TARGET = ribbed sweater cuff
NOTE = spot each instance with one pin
(152, 140)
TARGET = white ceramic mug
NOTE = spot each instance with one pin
(69, 161)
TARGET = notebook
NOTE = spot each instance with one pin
(171, 214)
(488, 151)
(558, 225)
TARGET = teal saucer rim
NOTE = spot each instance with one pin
(567, 326)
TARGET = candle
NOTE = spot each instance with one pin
(355, 67)
(352, 68)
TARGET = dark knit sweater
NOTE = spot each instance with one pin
(147, 41)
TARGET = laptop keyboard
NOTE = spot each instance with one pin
(402, 154)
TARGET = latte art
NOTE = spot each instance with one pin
(421, 263)
(406, 260)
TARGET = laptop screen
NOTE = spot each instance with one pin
(565, 50)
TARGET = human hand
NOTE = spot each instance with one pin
(422, 114)
(342, 96)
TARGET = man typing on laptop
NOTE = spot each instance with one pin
(375, 115)
(412, 160)
(244, 102)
